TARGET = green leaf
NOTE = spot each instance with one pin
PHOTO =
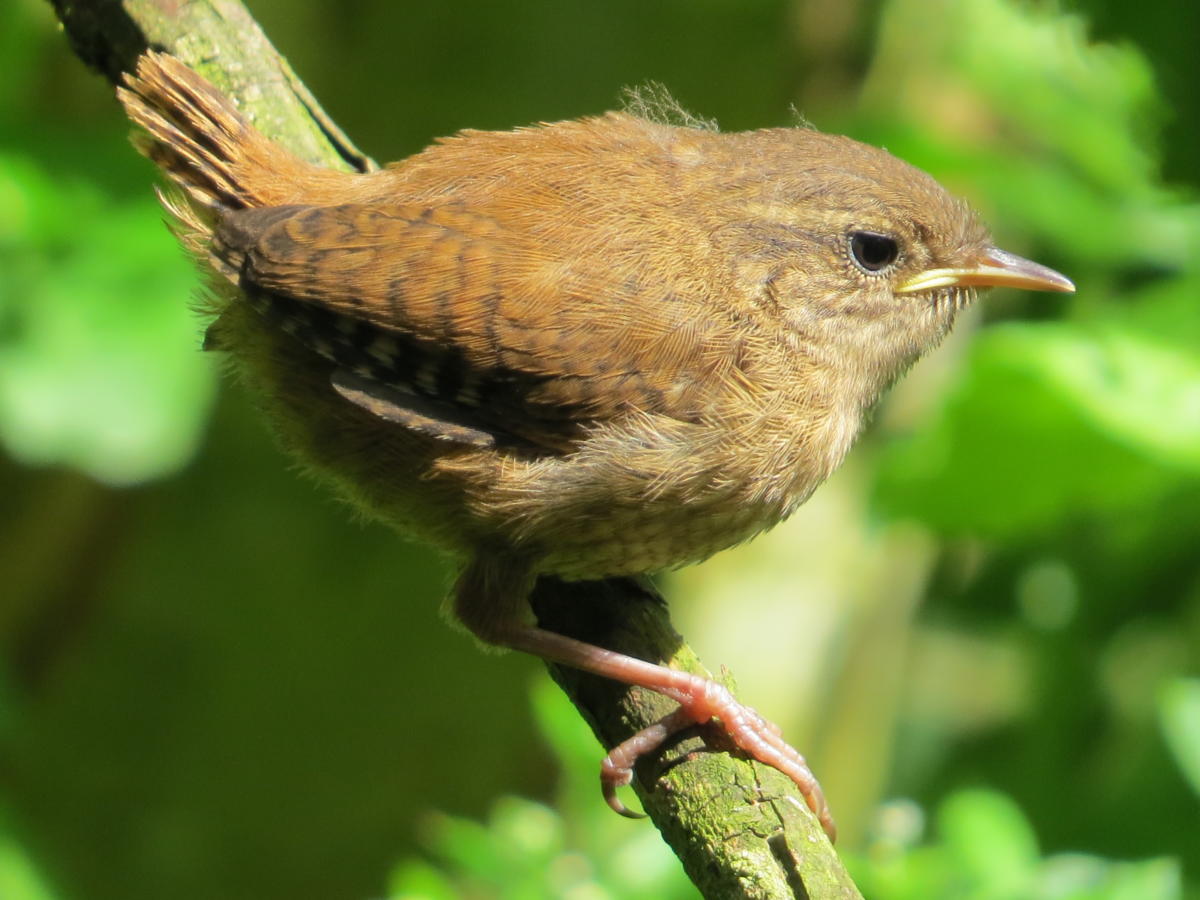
(990, 842)
(1050, 422)
(99, 363)
(1075, 876)
(1179, 714)
(19, 878)
(414, 879)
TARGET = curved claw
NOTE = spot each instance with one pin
(612, 776)
(614, 802)
(616, 770)
(701, 700)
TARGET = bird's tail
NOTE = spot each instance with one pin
(198, 137)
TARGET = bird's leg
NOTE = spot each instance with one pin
(699, 699)
(489, 599)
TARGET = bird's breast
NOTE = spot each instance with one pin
(649, 492)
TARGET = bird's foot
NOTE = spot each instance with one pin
(701, 700)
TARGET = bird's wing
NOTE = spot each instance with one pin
(442, 303)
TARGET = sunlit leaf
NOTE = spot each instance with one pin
(1050, 423)
(99, 360)
(1179, 710)
(990, 841)
(19, 877)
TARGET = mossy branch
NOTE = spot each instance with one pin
(740, 828)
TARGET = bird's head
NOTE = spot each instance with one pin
(869, 255)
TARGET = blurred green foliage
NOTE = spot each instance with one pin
(86, 381)
(982, 848)
(217, 684)
(528, 850)
(1115, 380)
(986, 850)
(92, 373)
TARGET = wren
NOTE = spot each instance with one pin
(591, 348)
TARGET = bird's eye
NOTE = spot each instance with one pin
(873, 252)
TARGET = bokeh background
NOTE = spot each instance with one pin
(984, 631)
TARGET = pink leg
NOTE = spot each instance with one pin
(699, 699)
(490, 599)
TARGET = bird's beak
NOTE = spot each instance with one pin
(995, 268)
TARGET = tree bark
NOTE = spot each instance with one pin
(741, 829)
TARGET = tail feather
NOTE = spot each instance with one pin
(218, 164)
(215, 156)
(193, 133)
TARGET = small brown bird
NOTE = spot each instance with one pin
(590, 348)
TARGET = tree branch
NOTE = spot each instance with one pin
(220, 40)
(740, 828)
